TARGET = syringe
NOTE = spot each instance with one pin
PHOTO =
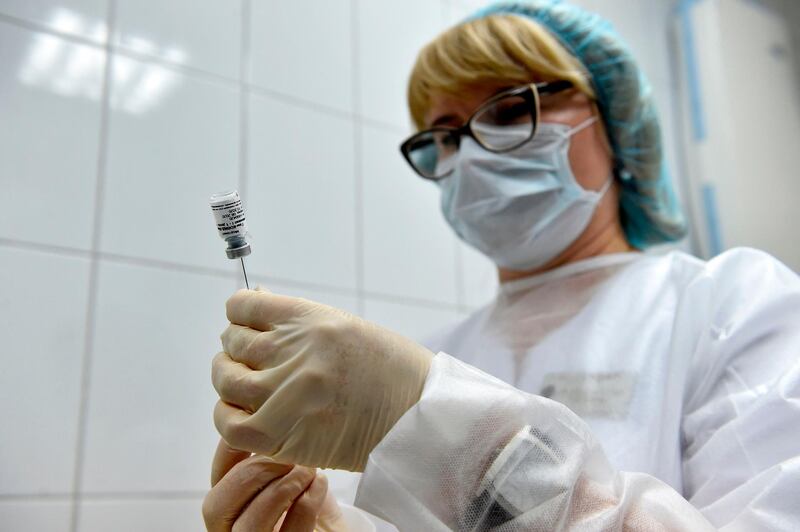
(232, 226)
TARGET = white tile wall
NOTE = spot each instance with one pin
(390, 33)
(301, 207)
(203, 34)
(138, 515)
(310, 136)
(314, 35)
(408, 249)
(149, 423)
(35, 516)
(49, 135)
(163, 164)
(410, 320)
(43, 301)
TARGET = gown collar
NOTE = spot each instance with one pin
(573, 268)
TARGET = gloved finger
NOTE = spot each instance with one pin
(304, 513)
(330, 518)
(231, 423)
(225, 457)
(261, 310)
(264, 511)
(237, 384)
(248, 346)
(225, 502)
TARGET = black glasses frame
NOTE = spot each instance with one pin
(530, 93)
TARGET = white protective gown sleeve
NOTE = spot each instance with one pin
(478, 454)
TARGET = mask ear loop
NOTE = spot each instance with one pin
(577, 129)
(605, 187)
(583, 125)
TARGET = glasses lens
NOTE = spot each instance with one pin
(432, 153)
(505, 123)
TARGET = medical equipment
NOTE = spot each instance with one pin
(232, 226)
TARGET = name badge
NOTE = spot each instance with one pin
(605, 395)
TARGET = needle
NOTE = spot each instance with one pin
(244, 271)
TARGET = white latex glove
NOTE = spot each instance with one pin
(251, 493)
(309, 384)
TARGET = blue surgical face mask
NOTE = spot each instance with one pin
(520, 208)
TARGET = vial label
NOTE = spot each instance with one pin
(229, 216)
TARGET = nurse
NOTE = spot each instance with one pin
(602, 388)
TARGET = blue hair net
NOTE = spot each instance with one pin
(649, 209)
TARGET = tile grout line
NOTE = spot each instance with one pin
(358, 164)
(218, 273)
(378, 124)
(296, 101)
(244, 100)
(53, 249)
(91, 307)
(115, 496)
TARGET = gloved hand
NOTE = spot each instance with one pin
(252, 493)
(305, 383)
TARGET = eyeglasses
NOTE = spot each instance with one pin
(502, 123)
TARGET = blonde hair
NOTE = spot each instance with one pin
(498, 48)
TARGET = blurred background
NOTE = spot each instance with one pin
(119, 118)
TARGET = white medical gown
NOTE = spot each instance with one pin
(674, 404)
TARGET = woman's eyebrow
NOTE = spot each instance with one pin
(445, 119)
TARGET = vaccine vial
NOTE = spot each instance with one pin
(231, 223)
(232, 226)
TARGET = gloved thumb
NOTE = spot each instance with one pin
(330, 516)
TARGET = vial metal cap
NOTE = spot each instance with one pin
(238, 252)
